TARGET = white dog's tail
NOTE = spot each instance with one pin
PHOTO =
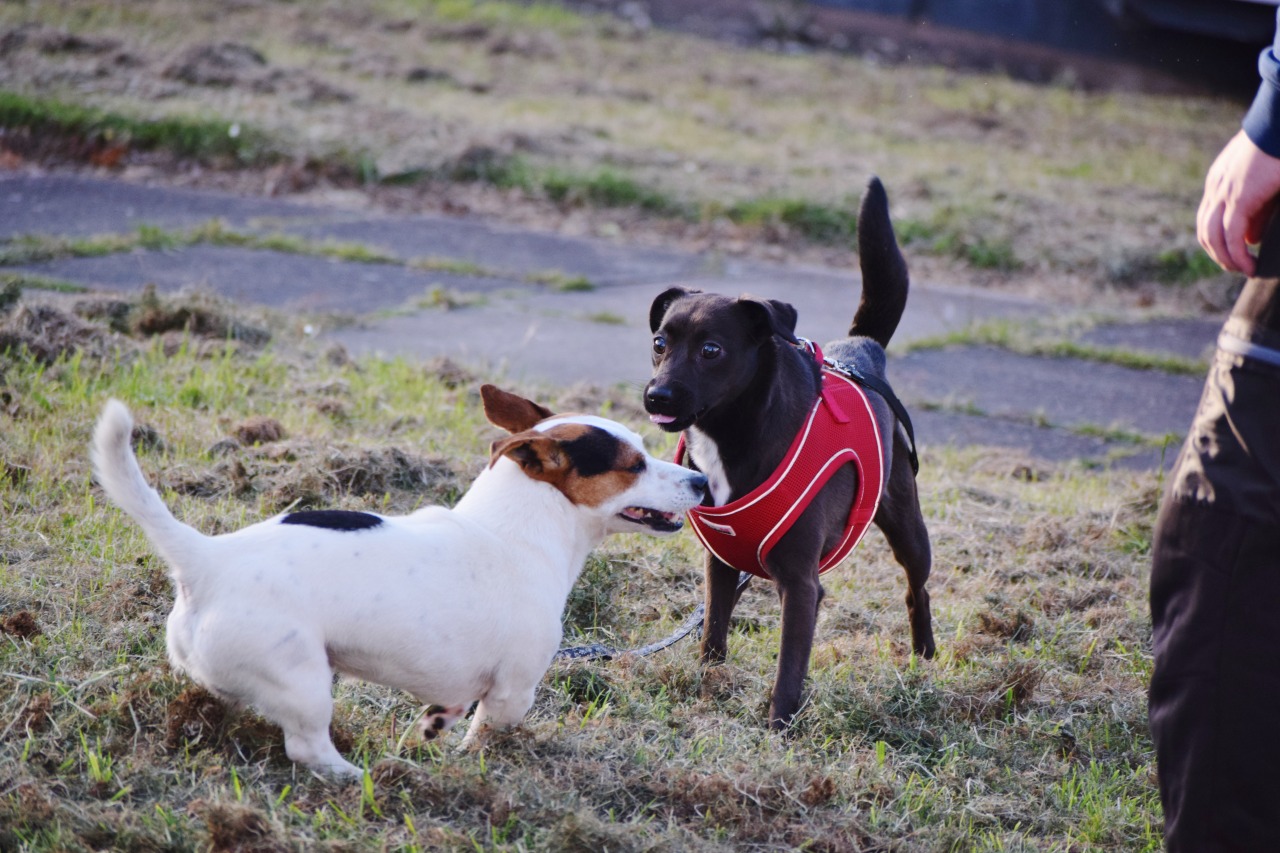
(116, 469)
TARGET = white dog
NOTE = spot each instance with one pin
(452, 606)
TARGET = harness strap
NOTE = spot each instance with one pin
(876, 384)
(882, 388)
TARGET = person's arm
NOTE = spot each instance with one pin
(1262, 122)
(1242, 184)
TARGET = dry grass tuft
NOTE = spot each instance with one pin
(191, 315)
(49, 334)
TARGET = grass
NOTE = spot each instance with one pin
(544, 112)
(1043, 340)
(821, 223)
(36, 248)
(39, 248)
(562, 283)
(203, 140)
(966, 234)
(1027, 732)
(599, 187)
(12, 285)
(1177, 266)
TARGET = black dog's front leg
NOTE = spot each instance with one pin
(800, 597)
(721, 596)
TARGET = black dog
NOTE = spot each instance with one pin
(733, 375)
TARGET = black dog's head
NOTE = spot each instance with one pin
(707, 351)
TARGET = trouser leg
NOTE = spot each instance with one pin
(1215, 607)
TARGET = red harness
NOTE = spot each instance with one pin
(841, 430)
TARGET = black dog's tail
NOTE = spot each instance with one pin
(884, 271)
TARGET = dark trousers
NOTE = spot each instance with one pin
(1215, 605)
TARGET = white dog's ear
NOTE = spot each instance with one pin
(511, 412)
(539, 455)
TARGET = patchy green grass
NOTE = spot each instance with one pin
(1043, 339)
(966, 233)
(13, 284)
(204, 140)
(37, 248)
(34, 248)
(599, 186)
(821, 223)
(1027, 732)
(1179, 266)
(559, 281)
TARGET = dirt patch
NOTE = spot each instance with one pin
(196, 718)
(22, 625)
(239, 828)
(259, 430)
(37, 713)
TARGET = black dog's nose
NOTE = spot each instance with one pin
(660, 396)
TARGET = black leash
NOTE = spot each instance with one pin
(599, 651)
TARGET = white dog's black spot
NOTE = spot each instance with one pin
(594, 452)
(333, 519)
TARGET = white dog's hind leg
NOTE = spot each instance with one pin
(304, 709)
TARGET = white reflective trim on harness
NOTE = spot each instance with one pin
(1229, 343)
(841, 457)
(791, 463)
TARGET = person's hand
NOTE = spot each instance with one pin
(1239, 194)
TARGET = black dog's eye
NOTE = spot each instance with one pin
(710, 350)
(659, 344)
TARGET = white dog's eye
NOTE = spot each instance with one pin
(711, 350)
(637, 468)
(659, 344)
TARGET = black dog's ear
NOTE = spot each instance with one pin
(658, 309)
(771, 317)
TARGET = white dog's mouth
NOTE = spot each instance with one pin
(655, 520)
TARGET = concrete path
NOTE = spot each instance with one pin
(471, 295)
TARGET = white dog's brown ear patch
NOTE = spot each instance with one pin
(539, 455)
(510, 411)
